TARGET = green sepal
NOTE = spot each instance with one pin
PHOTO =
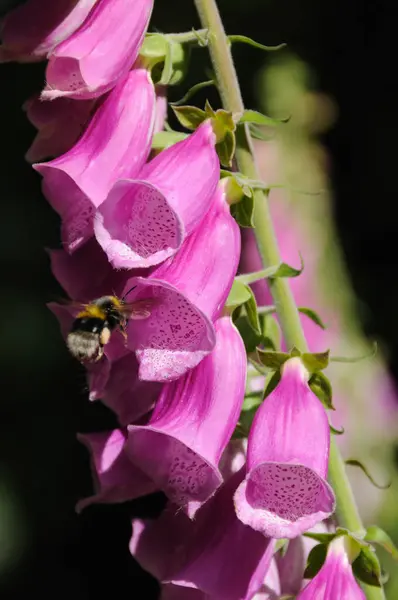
(311, 314)
(354, 359)
(226, 148)
(192, 91)
(253, 116)
(281, 270)
(243, 211)
(271, 332)
(246, 40)
(281, 546)
(224, 128)
(357, 463)
(167, 59)
(241, 294)
(315, 560)
(335, 431)
(164, 139)
(376, 535)
(271, 381)
(322, 388)
(323, 538)
(271, 359)
(190, 117)
(316, 361)
(366, 567)
(294, 352)
(250, 338)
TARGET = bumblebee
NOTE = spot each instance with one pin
(93, 326)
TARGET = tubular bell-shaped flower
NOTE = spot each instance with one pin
(144, 222)
(214, 553)
(201, 281)
(335, 578)
(193, 421)
(116, 144)
(59, 124)
(33, 29)
(285, 491)
(100, 52)
(116, 478)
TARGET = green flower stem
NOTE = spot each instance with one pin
(189, 36)
(347, 512)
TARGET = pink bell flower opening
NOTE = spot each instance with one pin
(143, 222)
(285, 491)
(193, 421)
(116, 144)
(92, 60)
(335, 578)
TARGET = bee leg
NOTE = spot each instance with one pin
(100, 353)
(123, 331)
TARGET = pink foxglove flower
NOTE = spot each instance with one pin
(214, 553)
(116, 144)
(292, 565)
(199, 279)
(116, 478)
(285, 491)
(192, 422)
(161, 107)
(93, 59)
(33, 29)
(59, 124)
(335, 579)
(143, 222)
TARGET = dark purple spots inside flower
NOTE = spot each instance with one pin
(289, 492)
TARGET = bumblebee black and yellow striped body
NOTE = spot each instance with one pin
(92, 327)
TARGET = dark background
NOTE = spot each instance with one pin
(43, 469)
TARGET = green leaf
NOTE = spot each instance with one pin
(246, 40)
(366, 567)
(226, 149)
(252, 401)
(271, 359)
(253, 116)
(315, 560)
(164, 139)
(167, 71)
(354, 359)
(285, 270)
(192, 91)
(281, 546)
(357, 463)
(189, 116)
(266, 135)
(376, 535)
(322, 388)
(243, 211)
(311, 314)
(250, 337)
(239, 294)
(316, 361)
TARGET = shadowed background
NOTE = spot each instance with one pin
(45, 548)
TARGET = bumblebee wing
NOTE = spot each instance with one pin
(72, 303)
(140, 309)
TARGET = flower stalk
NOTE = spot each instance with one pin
(228, 85)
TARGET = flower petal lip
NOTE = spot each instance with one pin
(100, 52)
(174, 338)
(32, 30)
(192, 422)
(115, 145)
(285, 491)
(136, 226)
(143, 222)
